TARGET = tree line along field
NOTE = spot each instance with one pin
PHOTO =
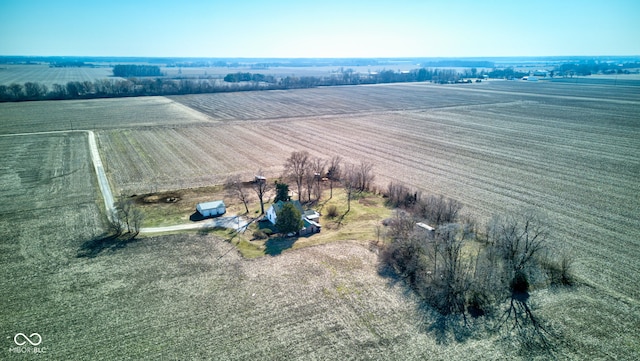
(569, 150)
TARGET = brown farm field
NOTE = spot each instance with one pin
(48, 76)
(570, 150)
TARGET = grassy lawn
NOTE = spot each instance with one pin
(367, 211)
(359, 224)
(177, 207)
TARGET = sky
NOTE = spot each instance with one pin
(319, 29)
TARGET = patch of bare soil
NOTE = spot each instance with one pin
(157, 198)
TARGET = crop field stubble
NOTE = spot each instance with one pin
(570, 150)
(95, 114)
(42, 221)
(43, 74)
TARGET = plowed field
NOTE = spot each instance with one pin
(571, 150)
(495, 147)
(48, 76)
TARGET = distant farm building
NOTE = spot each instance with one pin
(541, 73)
(425, 228)
(309, 217)
(209, 209)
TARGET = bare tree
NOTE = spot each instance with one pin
(439, 210)
(136, 221)
(309, 181)
(365, 176)
(350, 183)
(451, 279)
(318, 166)
(519, 239)
(399, 195)
(15, 90)
(295, 166)
(235, 187)
(401, 225)
(334, 172)
(123, 209)
(405, 251)
(115, 226)
(127, 215)
(34, 90)
(260, 186)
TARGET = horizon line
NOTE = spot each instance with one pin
(326, 58)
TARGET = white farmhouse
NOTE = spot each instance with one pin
(214, 208)
(309, 217)
(272, 215)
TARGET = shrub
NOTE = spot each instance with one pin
(559, 270)
(332, 211)
(259, 234)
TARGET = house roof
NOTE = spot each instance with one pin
(278, 206)
(211, 205)
(307, 222)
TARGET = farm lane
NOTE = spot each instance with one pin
(103, 182)
(235, 222)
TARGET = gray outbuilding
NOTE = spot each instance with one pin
(214, 208)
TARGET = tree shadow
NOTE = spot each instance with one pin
(93, 247)
(275, 246)
(340, 219)
(446, 328)
(534, 334)
(318, 204)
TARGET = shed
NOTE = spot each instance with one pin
(425, 229)
(425, 226)
(310, 227)
(214, 208)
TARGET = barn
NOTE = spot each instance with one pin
(214, 208)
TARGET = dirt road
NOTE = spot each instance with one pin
(235, 222)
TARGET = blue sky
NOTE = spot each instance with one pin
(372, 28)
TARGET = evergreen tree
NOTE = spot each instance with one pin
(282, 192)
(289, 219)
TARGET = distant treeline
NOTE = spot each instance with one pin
(71, 64)
(112, 88)
(238, 77)
(594, 67)
(132, 70)
(145, 86)
(454, 63)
